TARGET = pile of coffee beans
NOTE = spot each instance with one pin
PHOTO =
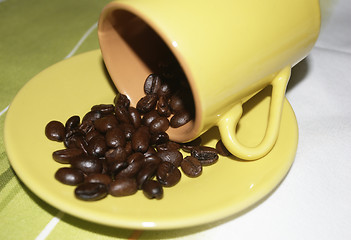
(118, 149)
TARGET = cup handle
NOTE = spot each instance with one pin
(228, 122)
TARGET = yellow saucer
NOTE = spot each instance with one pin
(224, 189)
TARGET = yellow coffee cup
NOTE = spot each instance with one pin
(228, 49)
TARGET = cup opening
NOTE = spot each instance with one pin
(132, 50)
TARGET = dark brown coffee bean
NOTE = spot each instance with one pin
(128, 130)
(162, 107)
(76, 140)
(128, 148)
(123, 187)
(179, 119)
(97, 146)
(141, 139)
(117, 154)
(149, 117)
(55, 131)
(115, 137)
(72, 123)
(134, 117)
(160, 124)
(159, 138)
(105, 109)
(173, 156)
(150, 151)
(98, 178)
(105, 123)
(67, 155)
(154, 159)
(86, 127)
(91, 134)
(206, 155)
(165, 90)
(147, 103)
(146, 173)
(191, 166)
(188, 146)
(87, 164)
(152, 84)
(176, 103)
(122, 100)
(167, 174)
(115, 167)
(153, 189)
(69, 176)
(91, 116)
(91, 191)
(222, 150)
(135, 163)
(122, 114)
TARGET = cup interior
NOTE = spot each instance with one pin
(132, 50)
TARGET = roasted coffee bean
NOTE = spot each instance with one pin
(141, 139)
(121, 100)
(67, 155)
(162, 107)
(115, 167)
(167, 174)
(134, 117)
(91, 191)
(179, 119)
(159, 138)
(154, 159)
(150, 151)
(168, 146)
(55, 131)
(91, 116)
(122, 114)
(69, 176)
(149, 117)
(76, 140)
(115, 137)
(191, 166)
(176, 103)
(165, 90)
(117, 154)
(173, 156)
(91, 134)
(153, 189)
(206, 155)
(160, 124)
(98, 178)
(146, 173)
(86, 127)
(97, 146)
(222, 150)
(128, 130)
(186, 147)
(123, 187)
(128, 148)
(152, 84)
(87, 164)
(72, 123)
(135, 163)
(105, 109)
(147, 103)
(137, 156)
(105, 123)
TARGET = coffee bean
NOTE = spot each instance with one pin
(191, 166)
(152, 84)
(105, 123)
(176, 103)
(117, 154)
(153, 189)
(122, 100)
(87, 164)
(170, 145)
(135, 163)
(159, 138)
(162, 107)
(115, 167)
(167, 174)
(147, 103)
(67, 155)
(180, 119)
(150, 151)
(72, 123)
(55, 131)
(188, 146)
(97, 146)
(69, 176)
(141, 139)
(173, 156)
(134, 117)
(128, 130)
(154, 159)
(206, 155)
(165, 90)
(160, 124)
(146, 173)
(91, 134)
(222, 150)
(105, 109)
(149, 117)
(91, 191)
(91, 116)
(115, 137)
(123, 187)
(122, 114)
(98, 178)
